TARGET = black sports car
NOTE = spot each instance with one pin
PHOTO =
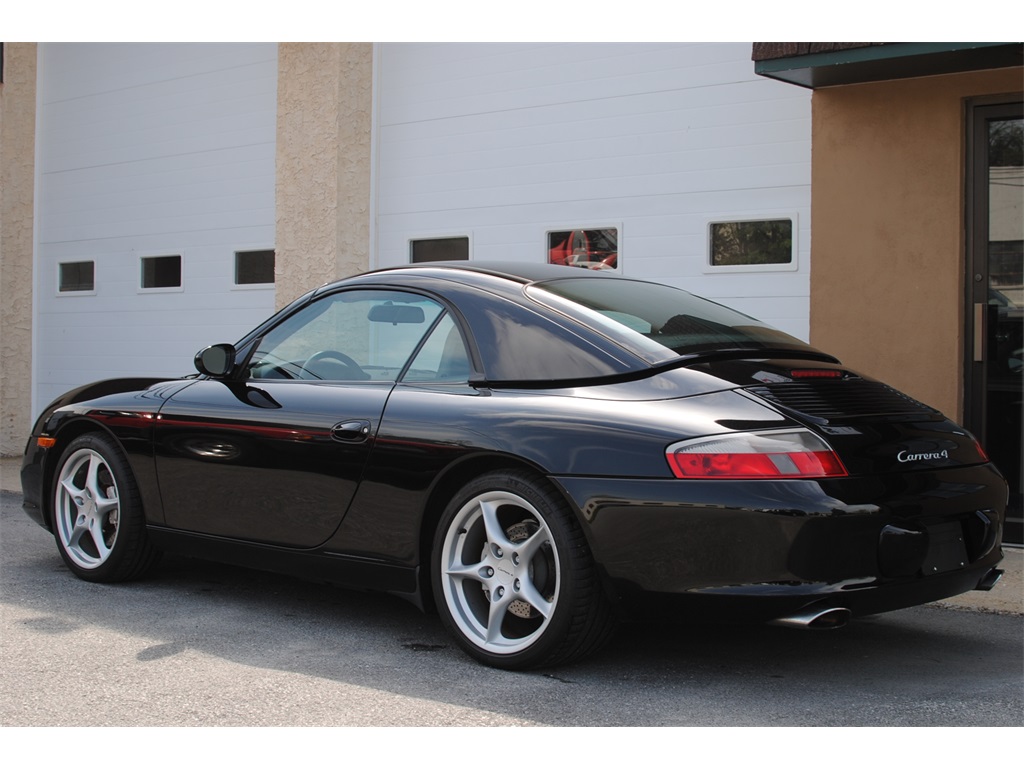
(535, 450)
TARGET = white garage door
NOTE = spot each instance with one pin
(155, 168)
(503, 144)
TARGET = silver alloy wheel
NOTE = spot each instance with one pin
(500, 572)
(88, 508)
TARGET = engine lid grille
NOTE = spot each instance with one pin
(847, 400)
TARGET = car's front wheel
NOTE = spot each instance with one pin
(97, 513)
(513, 576)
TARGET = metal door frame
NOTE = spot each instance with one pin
(978, 112)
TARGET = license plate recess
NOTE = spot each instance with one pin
(946, 548)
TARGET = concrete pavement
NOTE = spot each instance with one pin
(209, 645)
(1006, 597)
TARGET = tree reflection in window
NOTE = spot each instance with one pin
(751, 243)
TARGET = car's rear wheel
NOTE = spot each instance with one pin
(513, 576)
(97, 513)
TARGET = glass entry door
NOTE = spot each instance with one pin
(995, 317)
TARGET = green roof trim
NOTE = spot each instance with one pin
(888, 62)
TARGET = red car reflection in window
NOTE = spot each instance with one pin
(588, 248)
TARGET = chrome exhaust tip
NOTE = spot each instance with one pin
(989, 579)
(815, 618)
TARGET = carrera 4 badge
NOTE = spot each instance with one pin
(904, 456)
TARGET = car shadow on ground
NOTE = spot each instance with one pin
(651, 674)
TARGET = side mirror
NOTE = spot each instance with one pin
(216, 361)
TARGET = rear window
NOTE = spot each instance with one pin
(658, 321)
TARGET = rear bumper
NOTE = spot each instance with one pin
(757, 550)
(767, 602)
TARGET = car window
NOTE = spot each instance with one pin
(361, 335)
(649, 317)
(442, 357)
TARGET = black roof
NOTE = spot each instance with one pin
(524, 272)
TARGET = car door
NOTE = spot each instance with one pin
(275, 453)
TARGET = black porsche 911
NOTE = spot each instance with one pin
(538, 452)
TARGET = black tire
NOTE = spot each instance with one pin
(513, 577)
(97, 513)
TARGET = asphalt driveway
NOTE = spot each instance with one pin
(210, 645)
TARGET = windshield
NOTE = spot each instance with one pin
(655, 319)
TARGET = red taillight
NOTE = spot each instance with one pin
(981, 451)
(754, 455)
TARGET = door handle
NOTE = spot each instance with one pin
(979, 331)
(354, 431)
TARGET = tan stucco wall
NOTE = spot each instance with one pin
(17, 173)
(324, 109)
(887, 228)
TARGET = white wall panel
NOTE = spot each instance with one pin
(502, 142)
(148, 149)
